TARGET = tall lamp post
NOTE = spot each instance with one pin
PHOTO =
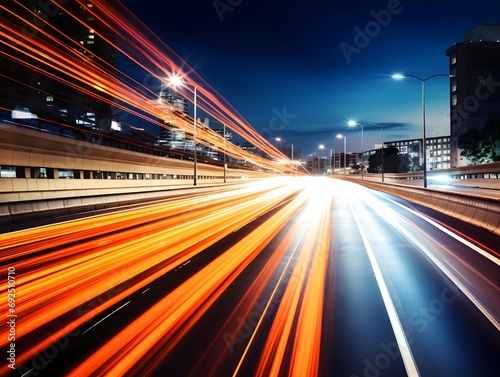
(322, 146)
(399, 76)
(286, 141)
(340, 136)
(353, 123)
(312, 162)
(178, 81)
(225, 148)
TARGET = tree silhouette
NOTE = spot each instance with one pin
(481, 146)
(394, 162)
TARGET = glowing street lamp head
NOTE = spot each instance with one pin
(175, 80)
(398, 76)
(352, 123)
(321, 146)
(278, 139)
(340, 136)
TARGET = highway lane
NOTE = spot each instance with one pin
(298, 277)
(420, 265)
(61, 268)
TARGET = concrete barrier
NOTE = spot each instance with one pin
(17, 212)
(479, 211)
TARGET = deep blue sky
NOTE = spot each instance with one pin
(266, 57)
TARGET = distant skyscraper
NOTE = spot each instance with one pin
(180, 103)
(219, 128)
(64, 100)
(174, 139)
(474, 85)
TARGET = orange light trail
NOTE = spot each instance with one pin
(139, 347)
(63, 267)
(71, 275)
(303, 295)
(58, 282)
(59, 57)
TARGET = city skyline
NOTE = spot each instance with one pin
(302, 73)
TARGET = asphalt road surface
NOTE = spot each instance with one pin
(280, 277)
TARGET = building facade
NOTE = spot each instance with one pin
(438, 152)
(474, 84)
(34, 86)
(171, 136)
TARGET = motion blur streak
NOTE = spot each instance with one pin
(303, 296)
(79, 266)
(482, 290)
(142, 344)
(260, 301)
(252, 304)
(54, 55)
(305, 361)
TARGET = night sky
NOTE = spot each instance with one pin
(295, 69)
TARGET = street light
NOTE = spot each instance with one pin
(178, 81)
(399, 76)
(224, 154)
(286, 141)
(322, 146)
(339, 136)
(353, 123)
(312, 162)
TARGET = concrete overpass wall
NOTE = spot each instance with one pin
(481, 212)
(102, 176)
(96, 169)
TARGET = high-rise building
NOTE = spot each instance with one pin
(438, 152)
(28, 84)
(179, 103)
(217, 154)
(474, 84)
(171, 136)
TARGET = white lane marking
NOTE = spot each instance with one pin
(450, 233)
(110, 314)
(454, 277)
(144, 291)
(491, 317)
(32, 369)
(404, 346)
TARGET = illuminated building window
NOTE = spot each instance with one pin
(7, 172)
(65, 174)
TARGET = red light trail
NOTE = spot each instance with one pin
(56, 56)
